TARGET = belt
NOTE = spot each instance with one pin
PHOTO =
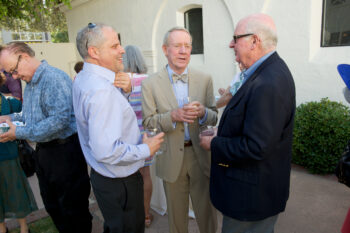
(57, 142)
(188, 143)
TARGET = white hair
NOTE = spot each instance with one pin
(264, 31)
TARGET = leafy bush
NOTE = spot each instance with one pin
(321, 132)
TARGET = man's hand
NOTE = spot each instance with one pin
(123, 81)
(9, 135)
(200, 108)
(4, 118)
(205, 141)
(153, 142)
(221, 91)
(224, 99)
(185, 114)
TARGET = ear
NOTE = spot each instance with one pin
(24, 56)
(165, 51)
(93, 52)
(256, 41)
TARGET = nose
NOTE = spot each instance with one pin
(232, 44)
(122, 51)
(182, 49)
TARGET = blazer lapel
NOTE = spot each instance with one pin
(192, 84)
(242, 91)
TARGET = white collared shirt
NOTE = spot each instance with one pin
(107, 126)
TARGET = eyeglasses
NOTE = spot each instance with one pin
(236, 37)
(90, 26)
(14, 71)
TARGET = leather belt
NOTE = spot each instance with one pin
(187, 143)
(56, 142)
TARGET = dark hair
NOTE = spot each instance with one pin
(78, 66)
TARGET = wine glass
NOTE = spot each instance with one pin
(187, 101)
(151, 132)
(206, 130)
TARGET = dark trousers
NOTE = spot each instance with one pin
(120, 201)
(64, 185)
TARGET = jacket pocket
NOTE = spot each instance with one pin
(242, 175)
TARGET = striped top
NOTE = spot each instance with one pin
(135, 102)
(135, 96)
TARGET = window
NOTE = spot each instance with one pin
(194, 24)
(335, 23)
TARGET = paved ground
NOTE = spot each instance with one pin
(317, 204)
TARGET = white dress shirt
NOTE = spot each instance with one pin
(107, 126)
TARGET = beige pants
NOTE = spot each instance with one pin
(191, 182)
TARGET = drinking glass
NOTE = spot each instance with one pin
(207, 130)
(151, 132)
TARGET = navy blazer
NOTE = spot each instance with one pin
(251, 156)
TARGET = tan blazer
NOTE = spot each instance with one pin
(158, 100)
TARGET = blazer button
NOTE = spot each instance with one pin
(182, 130)
(181, 149)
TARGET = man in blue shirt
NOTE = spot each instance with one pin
(251, 154)
(49, 120)
(108, 131)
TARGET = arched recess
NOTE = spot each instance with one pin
(218, 58)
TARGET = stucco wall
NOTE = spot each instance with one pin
(60, 55)
(144, 22)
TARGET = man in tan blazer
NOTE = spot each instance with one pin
(184, 166)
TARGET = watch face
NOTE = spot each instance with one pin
(337, 2)
(4, 128)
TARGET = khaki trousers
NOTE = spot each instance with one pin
(194, 183)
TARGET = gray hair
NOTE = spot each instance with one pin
(133, 60)
(90, 36)
(167, 34)
(266, 33)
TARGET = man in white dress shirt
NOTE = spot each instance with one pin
(108, 131)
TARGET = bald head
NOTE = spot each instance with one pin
(264, 27)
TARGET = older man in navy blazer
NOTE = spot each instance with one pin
(251, 154)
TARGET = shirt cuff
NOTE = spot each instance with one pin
(204, 118)
(126, 95)
(145, 152)
(20, 132)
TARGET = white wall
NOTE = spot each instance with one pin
(60, 55)
(144, 22)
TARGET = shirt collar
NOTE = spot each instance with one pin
(100, 71)
(171, 72)
(255, 66)
(39, 70)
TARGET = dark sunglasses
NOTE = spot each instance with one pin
(235, 38)
(90, 26)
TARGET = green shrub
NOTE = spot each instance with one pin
(321, 132)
